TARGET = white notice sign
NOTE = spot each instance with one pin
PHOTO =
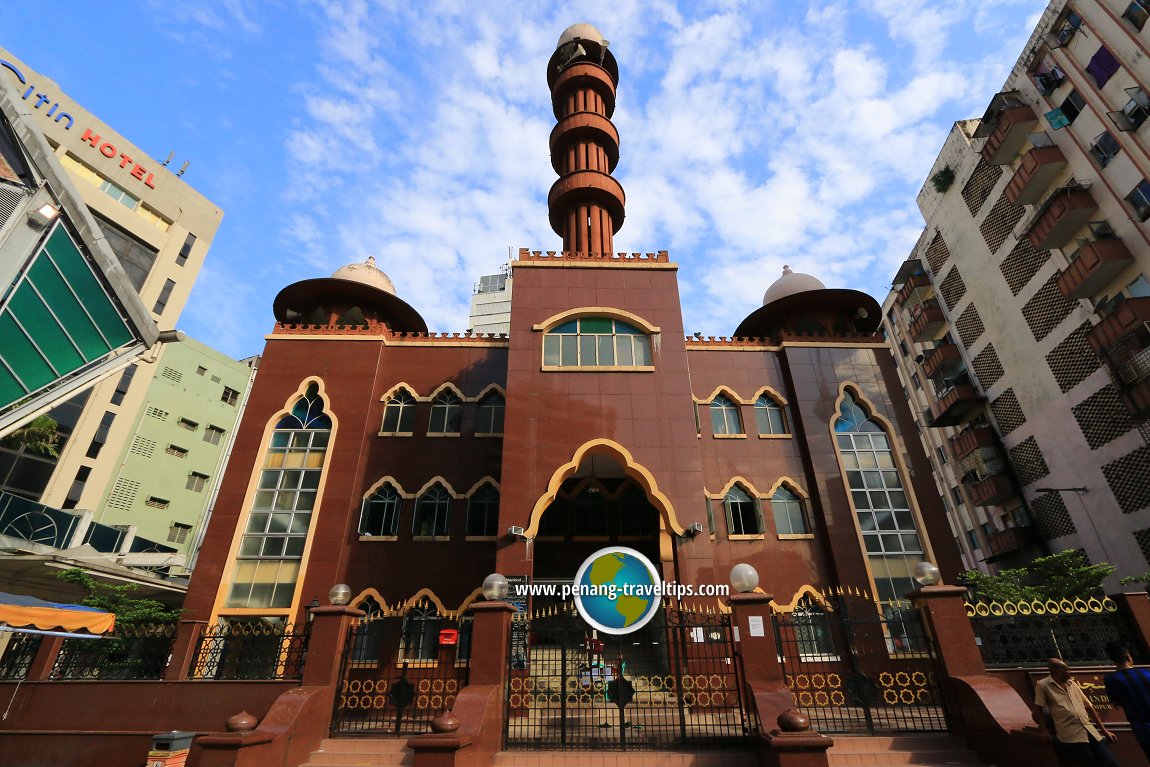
(755, 624)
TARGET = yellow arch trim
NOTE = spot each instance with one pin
(634, 470)
(771, 393)
(727, 390)
(438, 479)
(370, 592)
(804, 591)
(471, 599)
(405, 386)
(488, 480)
(742, 482)
(448, 385)
(596, 311)
(790, 483)
(488, 389)
(429, 595)
(388, 480)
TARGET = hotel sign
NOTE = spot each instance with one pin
(39, 100)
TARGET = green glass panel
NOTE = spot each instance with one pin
(595, 325)
(87, 287)
(50, 337)
(21, 356)
(566, 327)
(10, 388)
(80, 326)
(622, 327)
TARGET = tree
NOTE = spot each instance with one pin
(38, 436)
(119, 599)
(1065, 575)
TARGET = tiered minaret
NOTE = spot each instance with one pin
(586, 204)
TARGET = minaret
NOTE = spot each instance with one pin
(586, 204)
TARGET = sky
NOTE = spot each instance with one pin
(753, 134)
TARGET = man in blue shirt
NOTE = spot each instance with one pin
(1129, 687)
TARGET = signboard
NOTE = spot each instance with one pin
(755, 626)
(1092, 684)
(517, 598)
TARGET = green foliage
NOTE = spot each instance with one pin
(1136, 580)
(119, 599)
(38, 436)
(942, 180)
(1064, 575)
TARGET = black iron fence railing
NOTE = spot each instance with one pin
(132, 651)
(1027, 633)
(19, 652)
(250, 650)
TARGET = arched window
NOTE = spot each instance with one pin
(790, 517)
(369, 632)
(743, 517)
(590, 342)
(769, 416)
(432, 512)
(890, 534)
(421, 632)
(446, 414)
(379, 514)
(490, 414)
(725, 416)
(399, 413)
(483, 512)
(280, 517)
(813, 630)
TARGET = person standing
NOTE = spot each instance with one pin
(1129, 687)
(1077, 728)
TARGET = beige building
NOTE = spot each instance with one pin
(1021, 320)
(159, 228)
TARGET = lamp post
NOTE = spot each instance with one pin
(1079, 492)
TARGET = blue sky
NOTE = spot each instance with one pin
(754, 134)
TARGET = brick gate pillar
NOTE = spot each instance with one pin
(793, 744)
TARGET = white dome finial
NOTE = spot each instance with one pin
(790, 283)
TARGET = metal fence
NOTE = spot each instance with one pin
(255, 649)
(855, 665)
(132, 651)
(19, 652)
(1027, 633)
(675, 683)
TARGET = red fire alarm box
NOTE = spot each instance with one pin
(448, 636)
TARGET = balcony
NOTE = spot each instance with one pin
(1096, 264)
(916, 289)
(1065, 212)
(991, 491)
(942, 360)
(1003, 543)
(1011, 130)
(953, 404)
(1122, 341)
(978, 437)
(927, 322)
(1037, 171)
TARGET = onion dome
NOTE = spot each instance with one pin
(356, 295)
(801, 304)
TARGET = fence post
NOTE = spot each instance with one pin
(184, 649)
(41, 666)
(326, 644)
(1135, 607)
(944, 609)
(490, 638)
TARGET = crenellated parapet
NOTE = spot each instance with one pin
(658, 257)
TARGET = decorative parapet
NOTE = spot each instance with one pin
(775, 342)
(659, 257)
(382, 331)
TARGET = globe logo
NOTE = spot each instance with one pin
(617, 590)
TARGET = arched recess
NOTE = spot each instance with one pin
(388, 480)
(772, 393)
(596, 311)
(448, 386)
(404, 386)
(487, 480)
(438, 480)
(730, 393)
(791, 485)
(493, 388)
(804, 591)
(636, 471)
(430, 596)
(742, 482)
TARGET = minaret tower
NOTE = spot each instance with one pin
(586, 204)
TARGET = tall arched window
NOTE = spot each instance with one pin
(483, 512)
(590, 342)
(490, 414)
(399, 413)
(813, 630)
(379, 514)
(446, 414)
(769, 416)
(421, 632)
(790, 517)
(268, 562)
(890, 534)
(743, 516)
(725, 416)
(432, 512)
(369, 633)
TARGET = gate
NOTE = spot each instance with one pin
(855, 666)
(675, 683)
(401, 669)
